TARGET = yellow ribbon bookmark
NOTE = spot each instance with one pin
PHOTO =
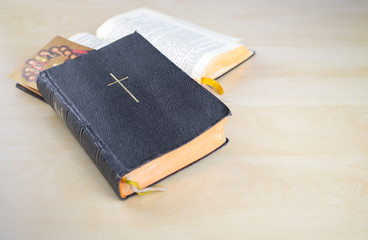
(214, 84)
(137, 189)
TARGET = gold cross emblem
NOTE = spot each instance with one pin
(119, 81)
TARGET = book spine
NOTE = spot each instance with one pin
(80, 130)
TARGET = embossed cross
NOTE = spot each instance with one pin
(119, 81)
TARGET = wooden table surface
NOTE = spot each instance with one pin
(296, 166)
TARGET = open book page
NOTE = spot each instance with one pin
(190, 47)
(88, 40)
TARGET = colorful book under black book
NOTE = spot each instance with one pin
(137, 115)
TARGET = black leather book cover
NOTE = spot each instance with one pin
(127, 104)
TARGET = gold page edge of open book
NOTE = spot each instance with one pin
(177, 159)
(226, 61)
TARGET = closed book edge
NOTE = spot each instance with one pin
(30, 91)
(212, 138)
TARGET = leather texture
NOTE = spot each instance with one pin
(118, 133)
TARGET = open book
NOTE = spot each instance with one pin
(199, 52)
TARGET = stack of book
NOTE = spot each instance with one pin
(132, 95)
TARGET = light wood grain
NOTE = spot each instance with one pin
(296, 166)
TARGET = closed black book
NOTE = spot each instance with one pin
(138, 116)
